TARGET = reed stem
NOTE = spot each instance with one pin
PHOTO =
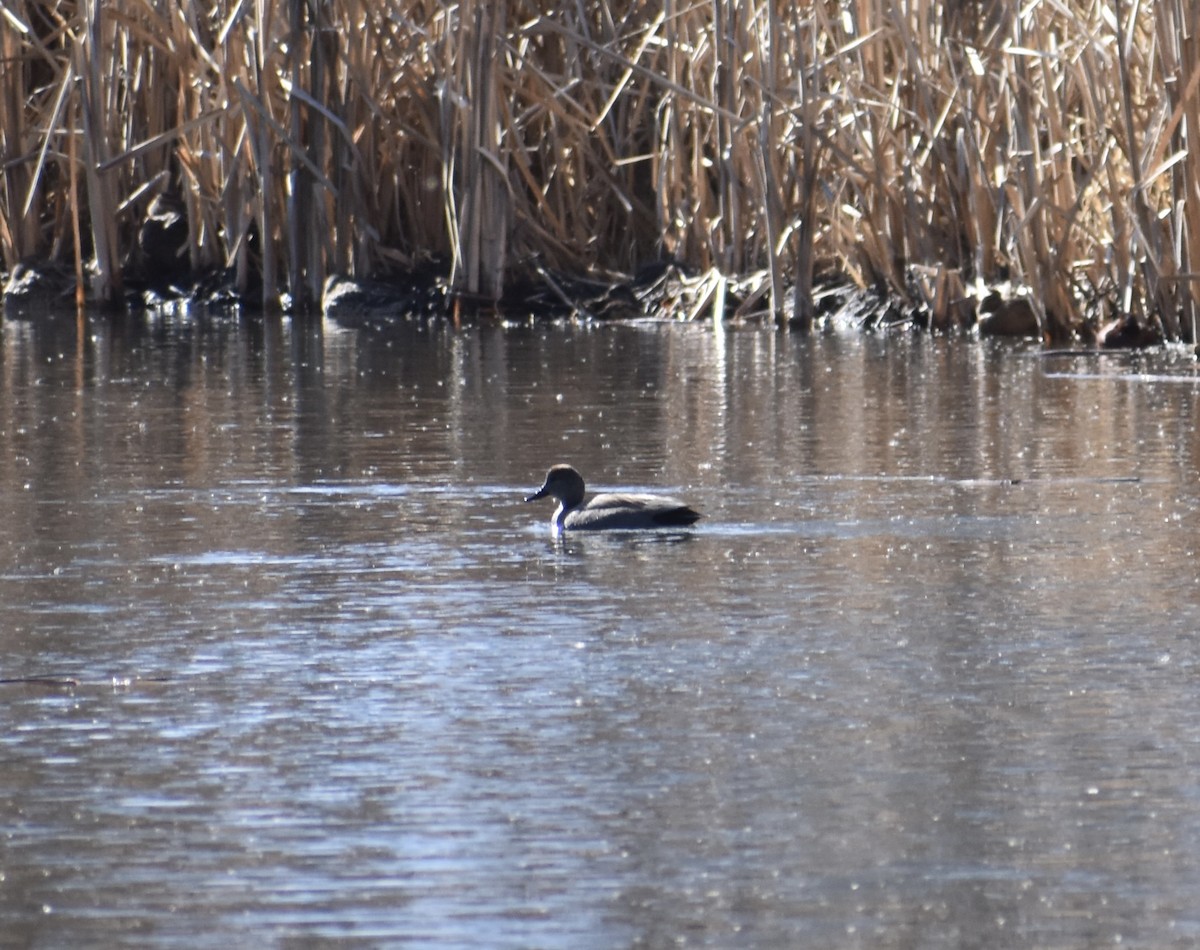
(921, 148)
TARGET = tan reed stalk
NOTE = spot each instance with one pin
(809, 77)
(767, 156)
(668, 153)
(1149, 236)
(1026, 198)
(478, 209)
(19, 209)
(91, 39)
(1177, 71)
(872, 171)
(311, 126)
(299, 199)
(1180, 57)
(727, 231)
(490, 185)
(76, 228)
(920, 147)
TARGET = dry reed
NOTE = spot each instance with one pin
(923, 148)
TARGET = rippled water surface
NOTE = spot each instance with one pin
(287, 662)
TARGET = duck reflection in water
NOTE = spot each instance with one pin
(609, 511)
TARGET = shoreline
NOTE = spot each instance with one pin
(666, 291)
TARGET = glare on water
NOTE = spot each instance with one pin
(286, 657)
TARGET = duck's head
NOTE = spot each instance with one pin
(562, 482)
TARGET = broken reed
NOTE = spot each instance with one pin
(922, 147)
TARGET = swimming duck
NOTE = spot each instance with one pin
(608, 511)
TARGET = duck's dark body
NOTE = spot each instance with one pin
(609, 511)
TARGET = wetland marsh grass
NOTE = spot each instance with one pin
(924, 148)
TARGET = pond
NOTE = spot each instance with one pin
(287, 661)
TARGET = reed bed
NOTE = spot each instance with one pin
(927, 148)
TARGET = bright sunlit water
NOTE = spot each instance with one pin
(288, 662)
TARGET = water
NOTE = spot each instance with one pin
(290, 664)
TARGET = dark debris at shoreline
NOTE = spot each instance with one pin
(665, 290)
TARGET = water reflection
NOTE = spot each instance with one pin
(287, 659)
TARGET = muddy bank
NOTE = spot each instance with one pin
(664, 290)
(670, 291)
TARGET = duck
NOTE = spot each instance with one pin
(609, 511)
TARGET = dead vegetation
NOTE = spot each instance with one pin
(928, 150)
